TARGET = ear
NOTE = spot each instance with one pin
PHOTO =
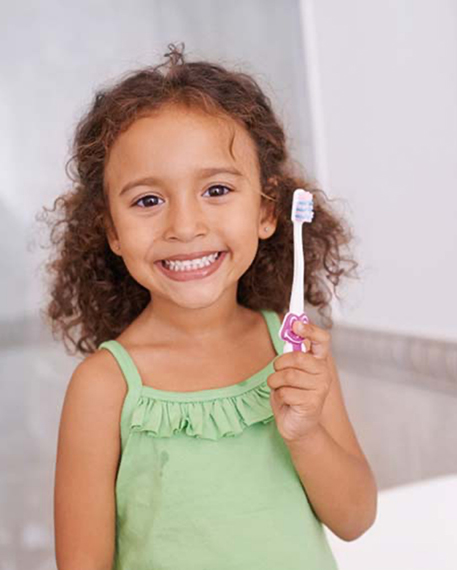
(267, 220)
(111, 235)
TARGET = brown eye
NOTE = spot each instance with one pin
(219, 186)
(147, 201)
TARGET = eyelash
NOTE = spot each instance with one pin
(214, 186)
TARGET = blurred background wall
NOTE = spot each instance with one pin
(367, 92)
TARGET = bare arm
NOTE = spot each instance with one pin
(340, 486)
(86, 466)
(334, 471)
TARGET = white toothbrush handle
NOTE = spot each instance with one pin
(297, 304)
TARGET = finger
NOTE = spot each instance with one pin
(295, 379)
(302, 361)
(295, 397)
(319, 338)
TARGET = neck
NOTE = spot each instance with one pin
(171, 323)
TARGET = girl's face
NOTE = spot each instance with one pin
(175, 189)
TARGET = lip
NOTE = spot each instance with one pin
(189, 256)
(193, 274)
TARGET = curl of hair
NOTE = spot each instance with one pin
(93, 297)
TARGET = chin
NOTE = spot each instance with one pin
(195, 301)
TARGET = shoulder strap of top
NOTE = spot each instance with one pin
(134, 384)
(274, 326)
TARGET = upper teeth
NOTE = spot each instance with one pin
(191, 264)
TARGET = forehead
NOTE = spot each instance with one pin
(176, 140)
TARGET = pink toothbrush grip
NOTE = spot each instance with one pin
(286, 333)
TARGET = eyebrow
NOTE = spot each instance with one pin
(203, 173)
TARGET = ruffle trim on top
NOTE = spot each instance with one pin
(206, 419)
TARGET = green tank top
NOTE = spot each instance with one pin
(206, 482)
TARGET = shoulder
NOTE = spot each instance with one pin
(89, 430)
(100, 373)
(97, 387)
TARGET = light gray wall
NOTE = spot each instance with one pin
(387, 93)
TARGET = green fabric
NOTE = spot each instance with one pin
(206, 481)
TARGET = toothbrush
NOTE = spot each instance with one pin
(302, 211)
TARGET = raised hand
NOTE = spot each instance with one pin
(300, 384)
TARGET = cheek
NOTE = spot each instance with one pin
(243, 218)
(138, 240)
(243, 234)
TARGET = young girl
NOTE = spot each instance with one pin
(187, 438)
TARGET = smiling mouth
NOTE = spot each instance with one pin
(191, 264)
(189, 272)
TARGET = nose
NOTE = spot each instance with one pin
(185, 220)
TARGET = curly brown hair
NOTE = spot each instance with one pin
(93, 297)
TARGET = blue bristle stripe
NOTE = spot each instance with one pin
(304, 212)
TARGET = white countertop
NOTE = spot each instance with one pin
(415, 529)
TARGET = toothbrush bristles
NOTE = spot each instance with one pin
(302, 207)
